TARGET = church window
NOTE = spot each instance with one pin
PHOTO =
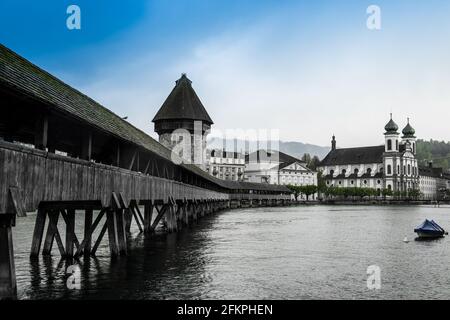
(379, 181)
(365, 181)
(344, 171)
(369, 170)
(389, 146)
(331, 172)
(352, 182)
(396, 145)
(409, 169)
(389, 169)
(356, 171)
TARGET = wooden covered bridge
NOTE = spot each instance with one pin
(64, 155)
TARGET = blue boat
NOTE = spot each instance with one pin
(430, 229)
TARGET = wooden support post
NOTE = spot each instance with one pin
(90, 232)
(8, 286)
(87, 234)
(117, 156)
(128, 220)
(70, 233)
(112, 233)
(121, 234)
(148, 212)
(51, 232)
(38, 232)
(161, 211)
(41, 132)
(99, 239)
(86, 146)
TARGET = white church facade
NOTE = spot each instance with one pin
(391, 166)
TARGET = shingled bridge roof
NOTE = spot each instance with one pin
(21, 75)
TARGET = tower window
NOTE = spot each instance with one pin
(389, 169)
(396, 145)
(389, 145)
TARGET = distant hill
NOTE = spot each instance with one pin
(436, 151)
(295, 149)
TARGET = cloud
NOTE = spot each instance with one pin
(305, 80)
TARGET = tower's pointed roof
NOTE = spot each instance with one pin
(183, 103)
(391, 126)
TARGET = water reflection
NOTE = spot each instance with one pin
(279, 253)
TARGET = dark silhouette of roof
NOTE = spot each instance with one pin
(183, 103)
(284, 159)
(431, 172)
(362, 155)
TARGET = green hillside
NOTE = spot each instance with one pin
(437, 151)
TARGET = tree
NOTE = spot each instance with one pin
(308, 190)
(414, 193)
(387, 193)
(306, 158)
(295, 190)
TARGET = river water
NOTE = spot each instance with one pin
(305, 252)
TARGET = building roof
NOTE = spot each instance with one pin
(21, 75)
(391, 126)
(431, 172)
(408, 131)
(361, 155)
(183, 104)
(279, 157)
(271, 155)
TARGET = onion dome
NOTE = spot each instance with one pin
(408, 131)
(391, 126)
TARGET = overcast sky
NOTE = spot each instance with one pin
(307, 68)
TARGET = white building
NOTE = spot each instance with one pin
(434, 182)
(392, 165)
(274, 167)
(225, 165)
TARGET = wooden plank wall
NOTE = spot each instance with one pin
(42, 176)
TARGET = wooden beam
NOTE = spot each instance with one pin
(38, 232)
(161, 211)
(133, 159)
(70, 232)
(41, 133)
(86, 146)
(112, 233)
(147, 167)
(99, 239)
(91, 231)
(148, 212)
(87, 234)
(8, 286)
(117, 155)
(51, 231)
